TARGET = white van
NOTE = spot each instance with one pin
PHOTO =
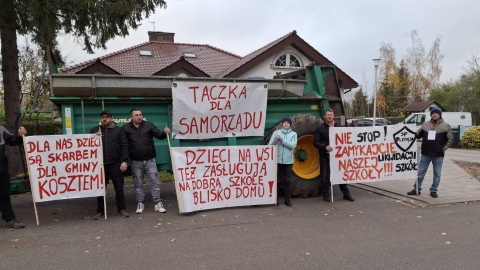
(454, 119)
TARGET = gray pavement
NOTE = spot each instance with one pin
(391, 231)
(456, 185)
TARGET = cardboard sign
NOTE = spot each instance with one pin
(214, 110)
(217, 177)
(65, 166)
(372, 154)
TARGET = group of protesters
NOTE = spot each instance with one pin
(436, 137)
(134, 141)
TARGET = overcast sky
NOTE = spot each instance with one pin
(348, 32)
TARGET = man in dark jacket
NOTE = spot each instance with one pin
(142, 153)
(5, 204)
(436, 137)
(115, 157)
(322, 142)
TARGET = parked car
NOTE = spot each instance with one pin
(352, 122)
(368, 122)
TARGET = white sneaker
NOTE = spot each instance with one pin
(159, 208)
(140, 208)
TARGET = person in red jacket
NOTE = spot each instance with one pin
(5, 204)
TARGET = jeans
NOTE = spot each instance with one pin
(140, 168)
(437, 171)
(5, 204)
(325, 178)
(112, 171)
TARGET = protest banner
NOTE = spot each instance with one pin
(372, 154)
(65, 166)
(217, 177)
(203, 110)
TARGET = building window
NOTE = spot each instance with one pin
(189, 55)
(288, 61)
(146, 53)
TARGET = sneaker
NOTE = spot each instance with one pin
(123, 213)
(434, 194)
(414, 192)
(98, 216)
(140, 208)
(14, 224)
(159, 207)
(348, 197)
(326, 198)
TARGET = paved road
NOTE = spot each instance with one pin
(456, 186)
(377, 231)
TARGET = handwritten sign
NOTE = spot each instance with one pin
(371, 154)
(215, 110)
(65, 166)
(217, 177)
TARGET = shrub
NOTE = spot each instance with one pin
(471, 138)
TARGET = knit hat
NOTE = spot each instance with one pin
(436, 110)
(287, 119)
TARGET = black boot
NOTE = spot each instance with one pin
(286, 192)
(348, 197)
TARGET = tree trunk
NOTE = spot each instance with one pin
(11, 81)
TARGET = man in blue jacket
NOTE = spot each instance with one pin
(286, 139)
(322, 142)
(5, 204)
(115, 158)
(142, 153)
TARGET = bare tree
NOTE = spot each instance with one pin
(425, 70)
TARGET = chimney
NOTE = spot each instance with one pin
(161, 36)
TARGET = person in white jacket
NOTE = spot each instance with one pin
(286, 140)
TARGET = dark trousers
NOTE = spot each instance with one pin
(325, 178)
(112, 171)
(5, 204)
(284, 174)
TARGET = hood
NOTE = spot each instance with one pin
(111, 125)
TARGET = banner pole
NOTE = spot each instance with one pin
(103, 175)
(30, 179)
(177, 191)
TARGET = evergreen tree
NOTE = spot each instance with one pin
(93, 21)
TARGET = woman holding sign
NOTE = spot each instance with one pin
(286, 139)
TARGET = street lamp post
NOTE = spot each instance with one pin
(375, 63)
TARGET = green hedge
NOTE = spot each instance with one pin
(50, 127)
(471, 138)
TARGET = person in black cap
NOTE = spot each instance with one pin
(286, 139)
(322, 142)
(436, 137)
(115, 157)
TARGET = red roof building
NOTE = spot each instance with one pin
(161, 56)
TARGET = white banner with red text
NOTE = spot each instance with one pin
(65, 166)
(224, 176)
(204, 110)
(373, 154)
